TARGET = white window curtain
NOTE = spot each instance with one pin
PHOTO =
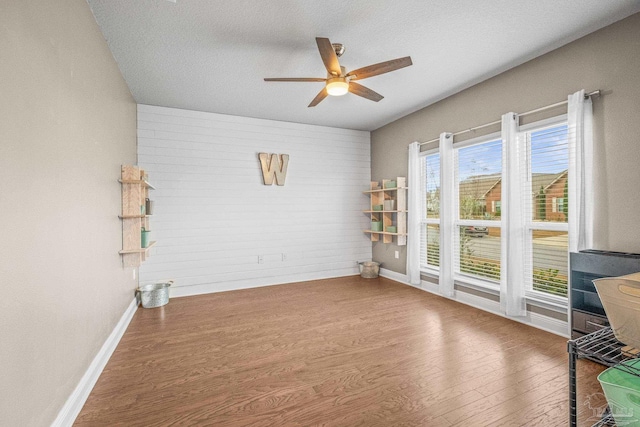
(580, 138)
(512, 262)
(415, 209)
(518, 220)
(447, 214)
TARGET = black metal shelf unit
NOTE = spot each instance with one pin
(601, 347)
(587, 314)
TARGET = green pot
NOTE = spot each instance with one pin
(376, 225)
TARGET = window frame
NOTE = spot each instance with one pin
(537, 298)
(459, 276)
(532, 295)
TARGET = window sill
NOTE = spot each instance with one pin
(432, 272)
(548, 304)
(477, 284)
(493, 289)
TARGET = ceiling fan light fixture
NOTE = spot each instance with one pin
(337, 86)
(338, 81)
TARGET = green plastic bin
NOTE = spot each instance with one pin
(144, 238)
(622, 390)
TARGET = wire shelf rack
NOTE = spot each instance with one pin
(606, 421)
(601, 347)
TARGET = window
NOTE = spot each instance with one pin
(541, 180)
(430, 218)
(478, 174)
(547, 228)
(561, 205)
(510, 208)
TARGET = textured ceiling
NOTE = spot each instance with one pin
(212, 55)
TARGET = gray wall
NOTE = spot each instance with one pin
(67, 122)
(608, 59)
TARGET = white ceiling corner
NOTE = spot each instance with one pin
(212, 55)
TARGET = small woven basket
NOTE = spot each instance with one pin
(369, 269)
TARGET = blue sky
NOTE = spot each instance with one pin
(481, 159)
(549, 154)
(549, 150)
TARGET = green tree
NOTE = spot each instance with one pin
(468, 206)
(542, 204)
(565, 207)
(548, 280)
(433, 203)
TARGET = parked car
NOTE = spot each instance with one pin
(475, 231)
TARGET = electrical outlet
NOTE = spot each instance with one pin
(260, 259)
(397, 254)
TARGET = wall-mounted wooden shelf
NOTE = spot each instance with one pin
(135, 191)
(397, 216)
(385, 232)
(142, 182)
(383, 211)
(386, 190)
(137, 251)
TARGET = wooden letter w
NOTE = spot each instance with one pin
(274, 167)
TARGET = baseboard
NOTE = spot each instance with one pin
(398, 277)
(78, 397)
(549, 324)
(210, 288)
(546, 323)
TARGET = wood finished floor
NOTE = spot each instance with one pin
(338, 352)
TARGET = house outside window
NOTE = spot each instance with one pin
(478, 174)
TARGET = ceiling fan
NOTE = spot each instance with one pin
(338, 81)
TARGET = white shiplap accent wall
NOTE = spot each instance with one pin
(213, 216)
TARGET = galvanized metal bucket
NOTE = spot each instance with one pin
(154, 295)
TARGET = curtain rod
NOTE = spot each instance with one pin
(537, 110)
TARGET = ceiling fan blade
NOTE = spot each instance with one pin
(381, 68)
(365, 92)
(295, 79)
(319, 97)
(329, 56)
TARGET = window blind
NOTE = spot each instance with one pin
(546, 195)
(430, 223)
(477, 237)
